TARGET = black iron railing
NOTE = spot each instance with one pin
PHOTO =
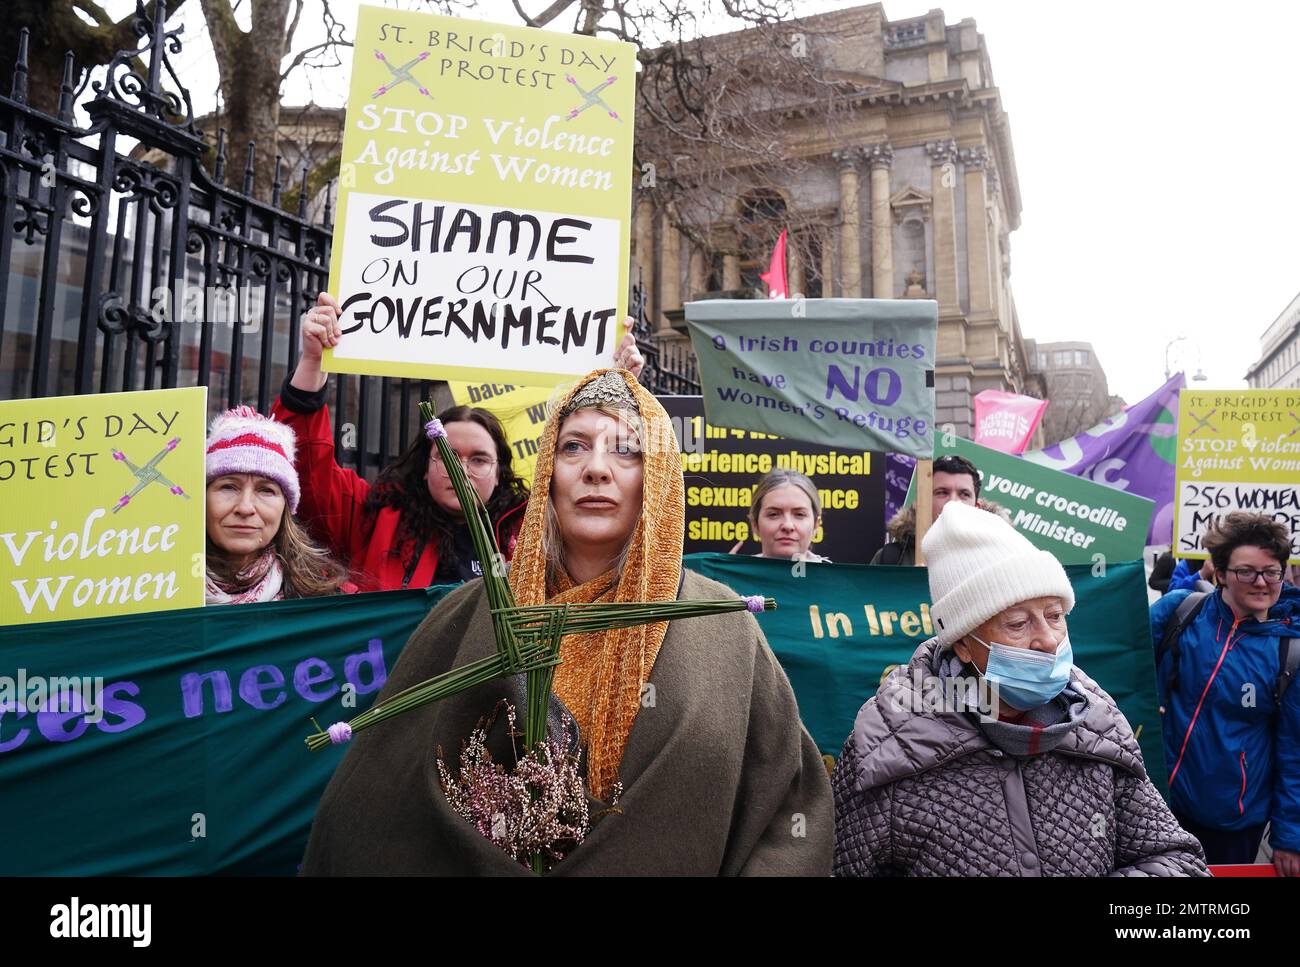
(137, 269)
(670, 368)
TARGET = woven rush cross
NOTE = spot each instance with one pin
(527, 638)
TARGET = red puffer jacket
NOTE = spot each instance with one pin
(332, 508)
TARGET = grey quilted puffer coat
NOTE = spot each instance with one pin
(927, 793)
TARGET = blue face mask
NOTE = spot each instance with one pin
(1024, 678)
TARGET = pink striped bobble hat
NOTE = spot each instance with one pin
(242, 440)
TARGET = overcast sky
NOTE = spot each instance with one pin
(1157, 149)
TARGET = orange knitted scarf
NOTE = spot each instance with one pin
(602, 673)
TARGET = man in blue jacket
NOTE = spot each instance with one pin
(1231, 725)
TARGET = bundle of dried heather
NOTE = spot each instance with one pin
(535, 811)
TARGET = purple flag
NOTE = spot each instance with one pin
(1134, 451)
(898, 477)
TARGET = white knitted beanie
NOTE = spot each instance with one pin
(980, 565)
(242, 440)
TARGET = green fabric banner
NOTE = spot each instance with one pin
(198, 763)
(838, 628)
(194, 762)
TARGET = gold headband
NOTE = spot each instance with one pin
(608, 390)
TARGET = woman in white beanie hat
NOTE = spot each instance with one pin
(256, 551)
(990, 753)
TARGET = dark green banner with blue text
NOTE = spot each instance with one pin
(197, 763)
(838, 628)
(190, 758)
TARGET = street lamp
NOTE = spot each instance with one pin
(1200, 376)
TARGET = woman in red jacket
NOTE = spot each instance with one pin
(407, 529)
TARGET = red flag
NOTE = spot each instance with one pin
(777, 285)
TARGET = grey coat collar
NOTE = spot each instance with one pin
(900, 733)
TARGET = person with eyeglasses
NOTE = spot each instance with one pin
(407, 528)
(1225, 664)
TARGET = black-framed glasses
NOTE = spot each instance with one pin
(1247, 575)
(478, 466)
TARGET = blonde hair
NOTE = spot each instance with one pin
(776, 479)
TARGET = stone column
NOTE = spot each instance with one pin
(827, 266)
(670, 269)
(850, 224)
(697, 274)
(943, 179)
(979, 261)
(794, 265)
(880, 158)
(645, 256)
(731, 272)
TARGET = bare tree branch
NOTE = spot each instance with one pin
(95, 11)
(293, 28)
(306, 52)
(222, 28)
(334, 39)
(546, 16)
(592, 11)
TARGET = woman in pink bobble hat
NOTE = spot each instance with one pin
(256, 550)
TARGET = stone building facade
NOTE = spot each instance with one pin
(1075, 383)
(912, 192)
(1278, 366)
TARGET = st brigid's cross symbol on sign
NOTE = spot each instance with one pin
(148, 474)
(401, 75)
(591, 98)
(1202, 423)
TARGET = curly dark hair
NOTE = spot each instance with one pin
(402, 487)
(1244, 529)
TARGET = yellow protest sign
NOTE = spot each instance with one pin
(1237, 450)
(484, 201)
(101, 504)
(522, 411)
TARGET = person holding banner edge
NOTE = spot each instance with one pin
(990, 753)
(954, 478)
(407, 530)
(1225, 668)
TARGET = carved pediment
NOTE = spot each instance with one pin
(910, 201)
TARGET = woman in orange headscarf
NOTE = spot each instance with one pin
(694, 757)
